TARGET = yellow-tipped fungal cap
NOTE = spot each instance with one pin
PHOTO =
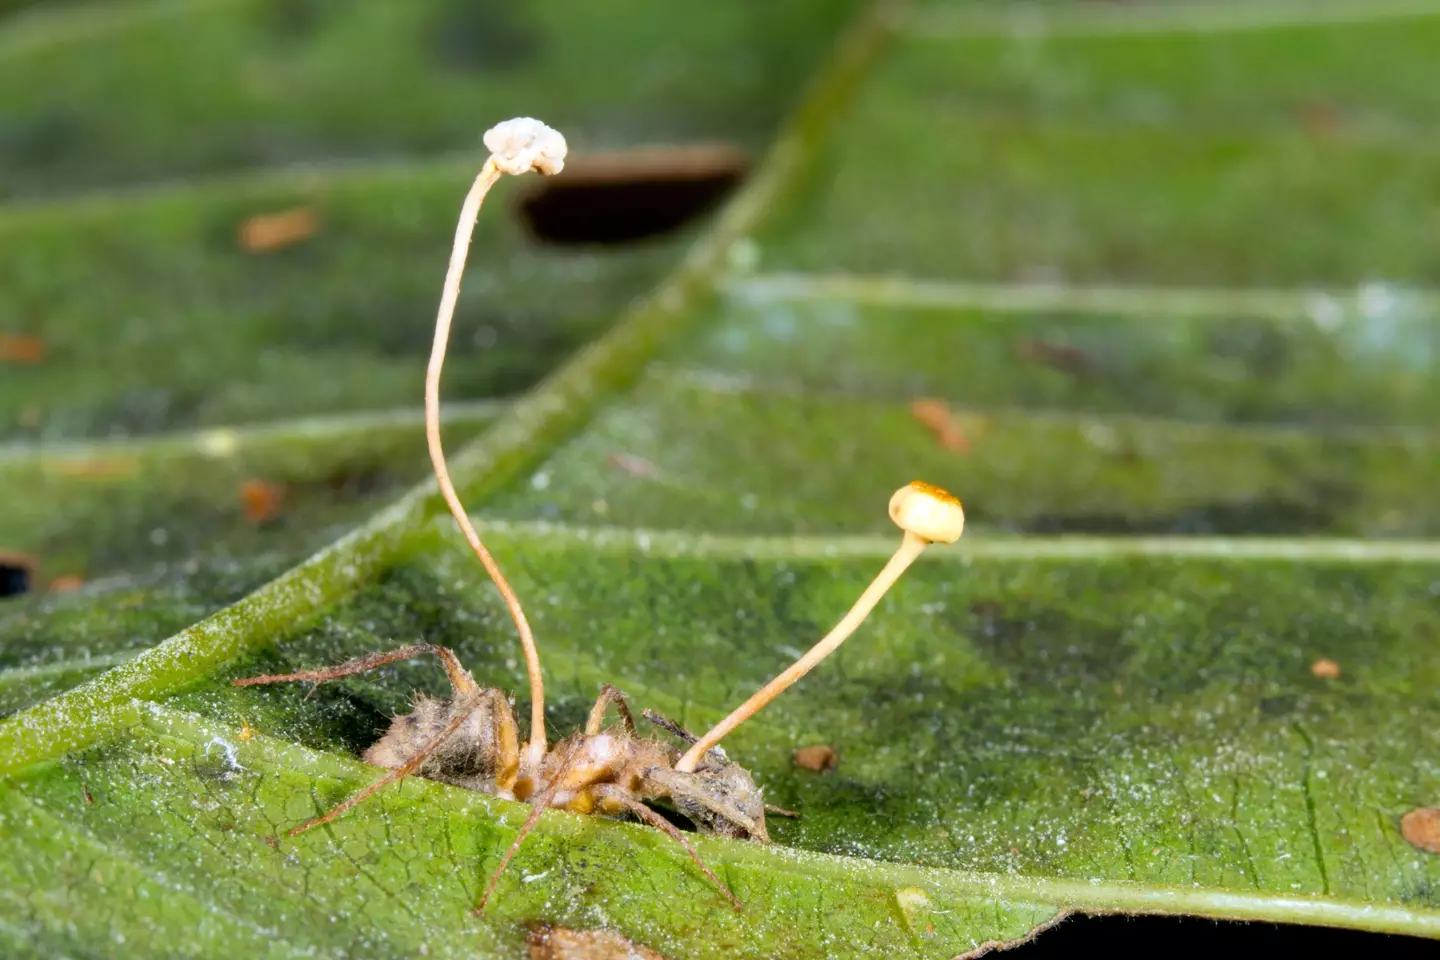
(931, 513)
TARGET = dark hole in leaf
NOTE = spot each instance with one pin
(632, 195)
(1140, 936)
(14, 578)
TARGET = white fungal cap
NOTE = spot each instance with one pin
(524, 144)
(931, 513)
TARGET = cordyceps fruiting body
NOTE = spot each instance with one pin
(472, 740)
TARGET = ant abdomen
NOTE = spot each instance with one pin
(480, 755)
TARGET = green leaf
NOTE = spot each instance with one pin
(1161, 277)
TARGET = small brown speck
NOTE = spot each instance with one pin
(21, 349)
(816, 759)
(89, 797)
(273, 842)
(1320, 118)
(633, 465)
(1325, 668)
(276, 231)
(1421, 829)
(561, 943)
(934, 415)
(261, 500)
(66, 583)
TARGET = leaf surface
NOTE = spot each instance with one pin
(1195, 438)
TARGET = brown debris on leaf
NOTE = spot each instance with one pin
(561, 943)
(66, 583)
(817, 759)
(1321, 118)
(934, 415)
(276, 231)
(19, 348)
(633, 465)
(261, 500)
(1421, 829)
(1325, 668)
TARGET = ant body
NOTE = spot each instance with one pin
(471, 740)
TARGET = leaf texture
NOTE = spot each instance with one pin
(1149, 293)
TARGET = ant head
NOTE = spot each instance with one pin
(721, 797)
(718, 796)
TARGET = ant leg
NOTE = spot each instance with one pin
(538, 805)
(609, 695)
(669, 829)
(400, 772)
(507, 741)
(781, 811)
(669, 726)
(459, 678)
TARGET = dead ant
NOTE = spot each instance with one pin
(472, 740)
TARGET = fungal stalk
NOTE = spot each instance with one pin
(927, 514)
(516, 147)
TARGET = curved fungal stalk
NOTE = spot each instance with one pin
(927, 514)
(516, 146)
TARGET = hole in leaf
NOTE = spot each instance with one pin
(1119, 936)
(15, 575)
(631, 195)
